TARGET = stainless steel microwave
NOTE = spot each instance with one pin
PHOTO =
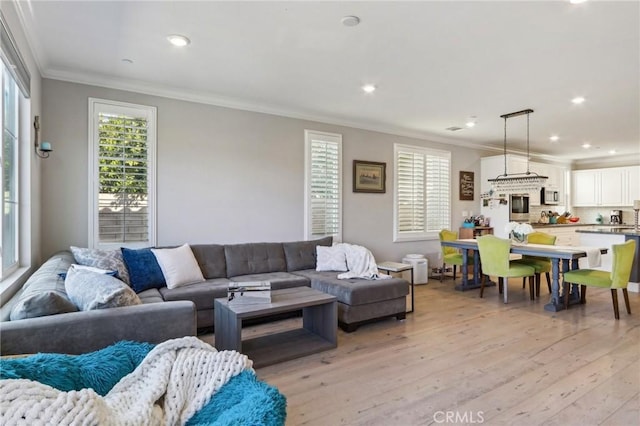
(519, 208)
(549, 196)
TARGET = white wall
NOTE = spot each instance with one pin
(30, 164)
(226, 176)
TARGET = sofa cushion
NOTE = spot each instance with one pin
(179, 266)
(302, 254)
(151, 295)
(44, 292)
(254, 258)
(278, 280)
(211, 259)
(356, 291)
(103, 259)
(144, 270)
(90, 290)
(201, 294)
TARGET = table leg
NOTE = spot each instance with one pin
(477, 271)
(412, 291)
(228, 333)
(554, 304)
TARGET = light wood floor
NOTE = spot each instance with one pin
(474, 360)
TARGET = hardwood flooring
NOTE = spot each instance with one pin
(459, 359)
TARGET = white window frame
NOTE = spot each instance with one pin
(97, 106)
(425, 234)
(5, 272)
(336, 138)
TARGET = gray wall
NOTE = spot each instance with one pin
(225, 175)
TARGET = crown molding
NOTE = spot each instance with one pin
(25, 16)
(142, 87)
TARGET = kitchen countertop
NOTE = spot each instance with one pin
(613, 230)
(561, 225)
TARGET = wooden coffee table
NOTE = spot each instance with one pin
(318, 332)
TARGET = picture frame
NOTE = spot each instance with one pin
(369, 176)
(467, 186)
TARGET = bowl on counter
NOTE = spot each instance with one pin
(574, 219)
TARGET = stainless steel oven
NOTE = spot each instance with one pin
(519, 208)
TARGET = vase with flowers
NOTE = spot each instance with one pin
(518, 231)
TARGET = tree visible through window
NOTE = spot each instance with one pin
(124, 140)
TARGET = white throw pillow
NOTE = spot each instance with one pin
(331, 259)
(179, 266)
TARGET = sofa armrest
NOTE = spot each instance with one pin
(86, 331)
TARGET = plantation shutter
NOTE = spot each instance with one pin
(423, 186)
(438, 193)
(324, 185)
(122, 175)
(410, 182)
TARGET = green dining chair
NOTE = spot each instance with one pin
(540, 264)
(494, 256)
(623, 255)
(451, 255)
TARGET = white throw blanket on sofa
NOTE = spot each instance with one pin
(175, 380)
(361, 263)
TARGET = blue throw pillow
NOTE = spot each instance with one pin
(144, 270)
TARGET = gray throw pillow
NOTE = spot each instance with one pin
(44, 292)
(90, 290)
(104, 259)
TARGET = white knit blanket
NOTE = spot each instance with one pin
(175, 380)
(361, 263)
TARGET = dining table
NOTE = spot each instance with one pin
(563, 258)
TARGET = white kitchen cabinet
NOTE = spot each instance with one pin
(612, 187)
(585, 188)
(566, 235)
(633, 185)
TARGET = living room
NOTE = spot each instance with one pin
(229, 173)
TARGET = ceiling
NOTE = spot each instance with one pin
(435, 64)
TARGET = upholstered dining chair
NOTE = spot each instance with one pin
(540, 264)
(450, 255)
(494, 256)
(623, 255)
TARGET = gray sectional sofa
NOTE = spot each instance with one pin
(167, 313)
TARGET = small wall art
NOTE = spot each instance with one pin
(369, 176)
(467, 186)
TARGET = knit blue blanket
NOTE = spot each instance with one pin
(244, 400)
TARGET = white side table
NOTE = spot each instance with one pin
(389, 267)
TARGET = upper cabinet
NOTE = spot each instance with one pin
(612, 187)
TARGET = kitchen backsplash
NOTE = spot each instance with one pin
(589, 214)
(586, 214)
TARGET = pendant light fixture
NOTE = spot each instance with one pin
(517, 182)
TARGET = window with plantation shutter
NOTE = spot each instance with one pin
(122, 172)
(422, 192)
(323, 185)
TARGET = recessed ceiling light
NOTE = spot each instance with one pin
(350, 21)
(470, 124)
(178, 40)
(586, 145)
(612, 151)
(554, 138)
(369, 88)
(578, 100)
(576, 1)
